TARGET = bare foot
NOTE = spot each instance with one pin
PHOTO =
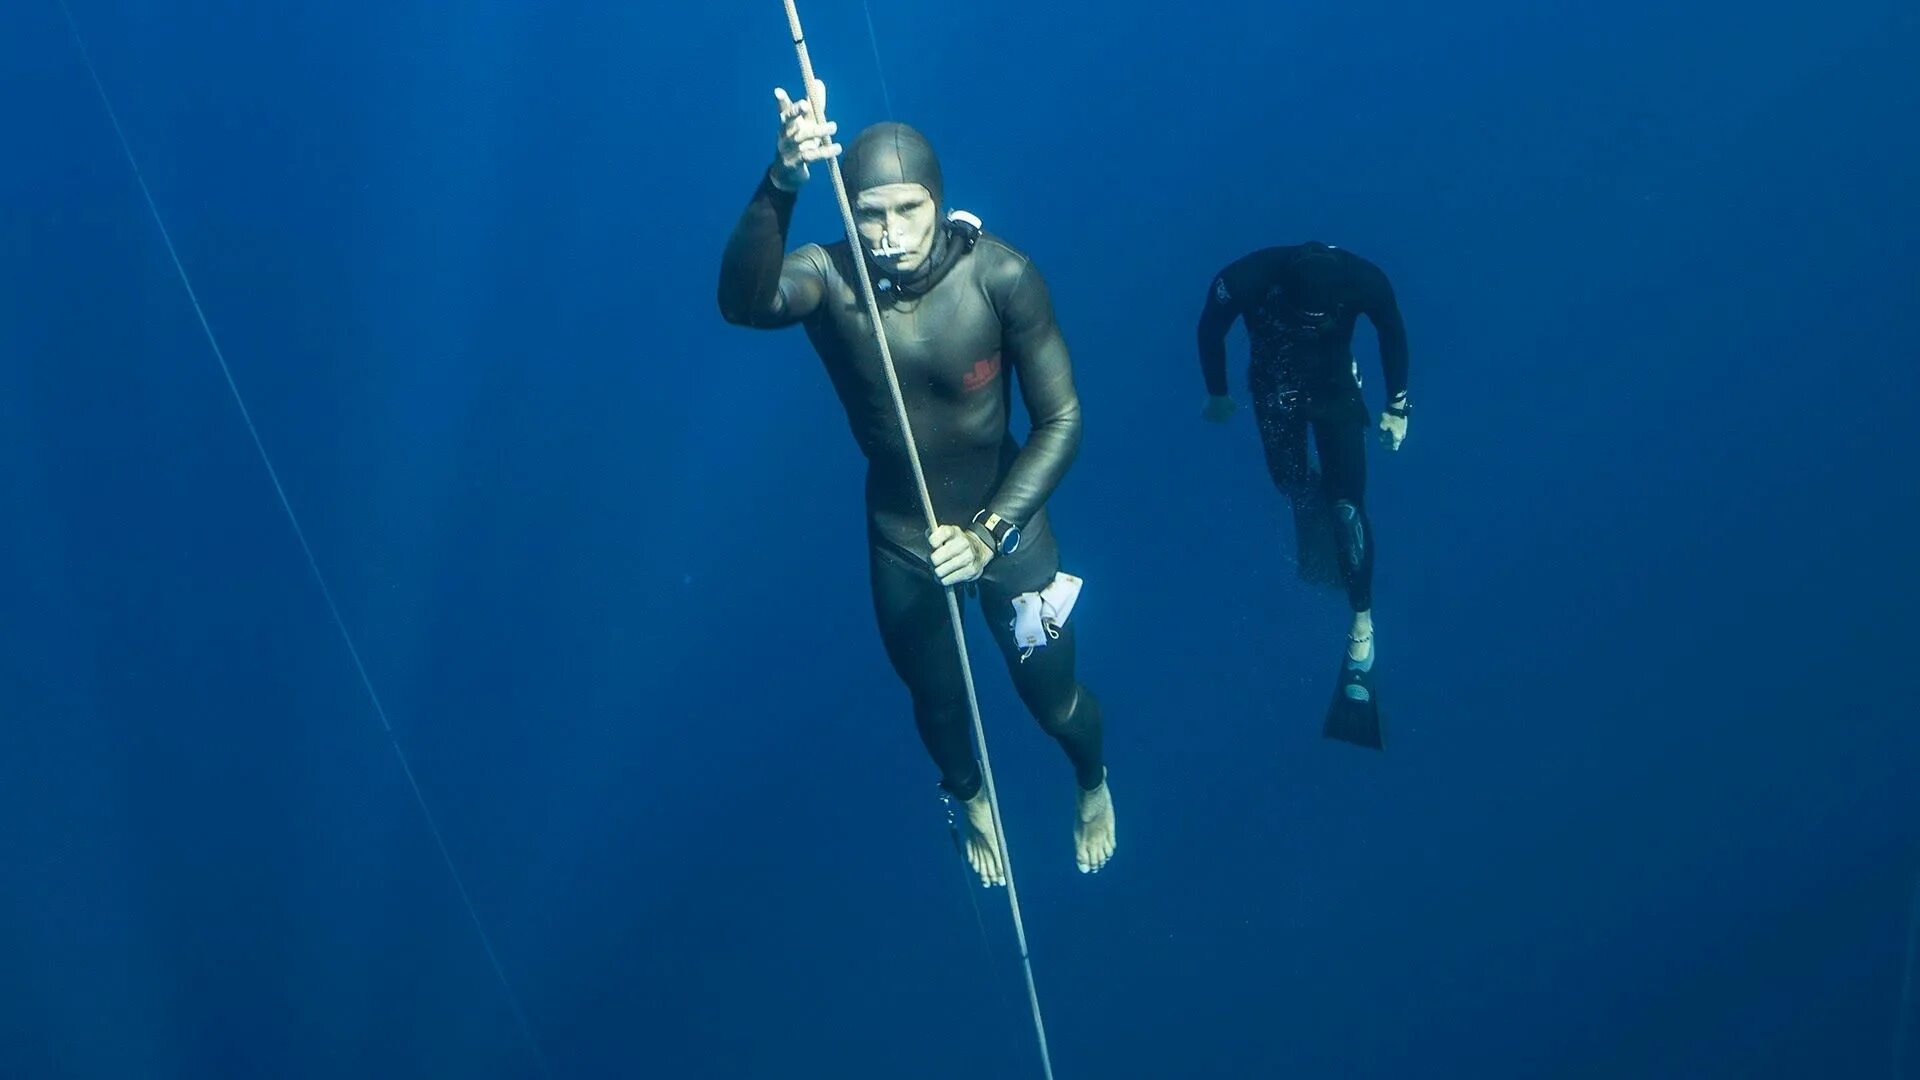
(1093, 834)
(983, 841)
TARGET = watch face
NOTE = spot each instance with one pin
(1012, 543)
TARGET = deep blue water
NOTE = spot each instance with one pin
(1644, 579)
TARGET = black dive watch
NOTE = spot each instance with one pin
(1001, 535)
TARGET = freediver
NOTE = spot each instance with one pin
(964, 314)
(1300, 304)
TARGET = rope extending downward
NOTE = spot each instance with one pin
(926, 505)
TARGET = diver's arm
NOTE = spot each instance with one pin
(1037, 354)
(1383, 311)
(760, 285)
(1216, 318)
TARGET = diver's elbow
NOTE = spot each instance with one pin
(1066, 429)
(744, 311)
(743, 315)
(732, 310)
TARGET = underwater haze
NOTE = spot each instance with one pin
(566, 746)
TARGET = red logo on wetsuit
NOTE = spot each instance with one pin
(982, 373)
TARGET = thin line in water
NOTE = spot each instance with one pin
(313, 564)
(874, 38)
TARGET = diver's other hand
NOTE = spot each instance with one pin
(1393, 423)
(958, 555)
(1219, 409)
(804, 137)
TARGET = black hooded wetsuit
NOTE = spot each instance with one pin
(1300, 304)
(978, 317)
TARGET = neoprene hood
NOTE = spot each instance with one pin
(892, 153)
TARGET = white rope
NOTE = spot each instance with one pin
(313, 564)
(926, 505)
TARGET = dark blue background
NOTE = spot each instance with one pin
(1644, 579)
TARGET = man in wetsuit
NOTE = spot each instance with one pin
(1300, 304)
(964, 314)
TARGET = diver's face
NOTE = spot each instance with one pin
(896, 224)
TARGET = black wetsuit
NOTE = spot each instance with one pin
(1300, 304)
(977, 317)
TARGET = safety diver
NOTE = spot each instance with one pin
(1300, 304)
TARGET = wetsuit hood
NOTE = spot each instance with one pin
(892, 153)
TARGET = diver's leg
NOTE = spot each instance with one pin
(1064, 708)
(1283, 440)
(917, 632)
(1354, 714)
(1343, 463)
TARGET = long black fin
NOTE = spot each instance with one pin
(1354, 715)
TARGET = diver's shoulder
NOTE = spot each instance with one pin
(830, 257)
(1351, 258)
(1000, 262)
(998, 247)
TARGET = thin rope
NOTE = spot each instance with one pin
(878, 67)
(926, 505)
(300, 534)
(953, 829)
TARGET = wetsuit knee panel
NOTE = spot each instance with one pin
(1076, 714)
(1076, 727)
(1352, 533)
